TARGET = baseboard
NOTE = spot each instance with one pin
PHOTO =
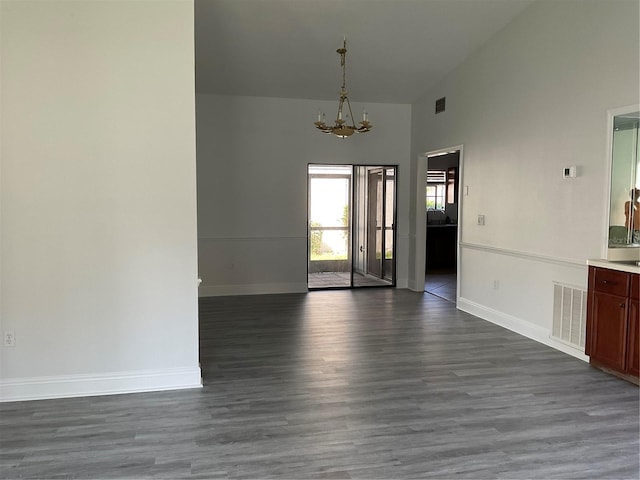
(568, 349)
(39, 388)
(518, 325)
(264, 288)
(251, 289)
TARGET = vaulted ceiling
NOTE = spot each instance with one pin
(397, 49)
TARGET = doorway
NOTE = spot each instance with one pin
(351, 226)
(441, 235)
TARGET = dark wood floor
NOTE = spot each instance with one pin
(374, 383)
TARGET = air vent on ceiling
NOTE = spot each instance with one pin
(440, 104)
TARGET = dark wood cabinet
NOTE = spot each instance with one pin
(609, 330)
(611, 281)
(612, 322)
(633, 351)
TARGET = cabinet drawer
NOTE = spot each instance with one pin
(611, 281)
(635, 286)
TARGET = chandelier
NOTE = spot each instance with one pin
(341, 128)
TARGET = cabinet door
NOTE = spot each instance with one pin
(609, 329)
(633, 340)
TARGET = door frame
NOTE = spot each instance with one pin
(374, 267)
(349, 226)
(351, 243)
(385, 217)
(421, 217)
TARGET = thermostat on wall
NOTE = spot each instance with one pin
(569, 172)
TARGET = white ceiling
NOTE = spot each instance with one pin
(397, 49)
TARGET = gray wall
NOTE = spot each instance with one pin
(99, 242)
(252, 186)
(531, 101)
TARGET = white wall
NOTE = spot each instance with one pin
(99, 240)
(531, 101)
(252, 185)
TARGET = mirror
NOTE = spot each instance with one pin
(624, 212)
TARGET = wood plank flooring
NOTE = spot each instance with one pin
(442, 283)
(374, 383)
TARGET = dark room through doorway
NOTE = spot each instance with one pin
(441, 198)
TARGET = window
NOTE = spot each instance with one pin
(436, 188)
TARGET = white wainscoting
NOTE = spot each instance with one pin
(265, 265)
(523, 301)
(252, 265)
(252, 289)
(38, 388)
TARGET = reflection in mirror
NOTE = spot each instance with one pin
(624, 214)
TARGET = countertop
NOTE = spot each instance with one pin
(630, 266)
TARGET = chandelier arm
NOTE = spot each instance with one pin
(353, 120)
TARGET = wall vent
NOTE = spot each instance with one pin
(441, 104)
(569, 315)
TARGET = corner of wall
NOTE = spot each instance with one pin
(518, 325)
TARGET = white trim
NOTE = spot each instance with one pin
(525, 255)
(251, 289)
(518, 325)
(567, 348)
(87, 385)
(460, 218)
(420, 254)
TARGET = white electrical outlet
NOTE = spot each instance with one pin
(9, 339)
(480, 219)
(496, 284)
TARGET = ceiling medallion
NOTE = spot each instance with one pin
(341, 128)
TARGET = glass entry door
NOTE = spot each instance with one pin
(374, 202)
(351, 226)
(329, 230)
(375, 222)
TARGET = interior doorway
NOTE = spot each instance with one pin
(351, 226)
(442, 208)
